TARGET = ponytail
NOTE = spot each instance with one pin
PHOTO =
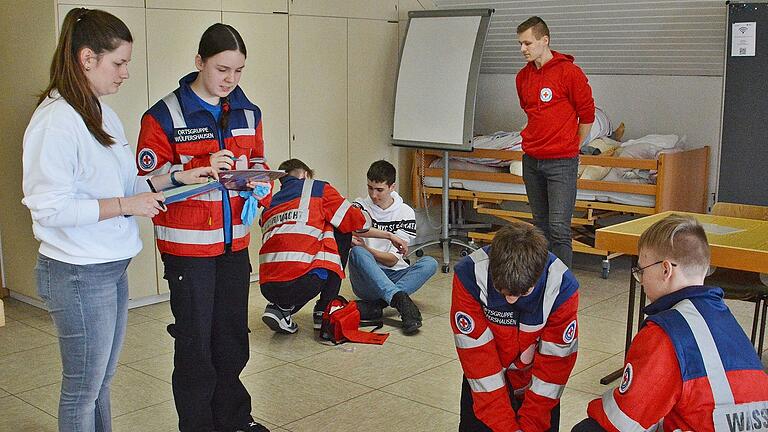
(84, 28)
(224, 120)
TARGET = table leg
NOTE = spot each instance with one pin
(762, 329)
(630, 323)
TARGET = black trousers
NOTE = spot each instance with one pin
(469, 423)
(588, 425)
(296, 293)
(209, 301)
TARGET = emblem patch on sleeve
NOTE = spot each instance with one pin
(570, 332)
(464, 322)
(147, 159)
(626, 378)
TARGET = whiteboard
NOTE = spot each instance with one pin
(437, 79)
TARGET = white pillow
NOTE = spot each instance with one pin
(662, 141)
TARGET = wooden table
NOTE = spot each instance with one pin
(745, 248)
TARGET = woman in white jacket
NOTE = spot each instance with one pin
(80, 185)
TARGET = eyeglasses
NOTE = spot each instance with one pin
(637, 272)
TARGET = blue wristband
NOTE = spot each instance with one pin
(174, 181)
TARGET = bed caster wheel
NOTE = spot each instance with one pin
(446, 268)
(419, 253)
(606, 269)
(464, 252)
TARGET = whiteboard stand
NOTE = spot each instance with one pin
(446, 240)
(435, 95)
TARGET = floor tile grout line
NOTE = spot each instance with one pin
(264, 370)
(624, 322)
(143, 373)
(18, 396)
(418, 402)
(141, 409)
(58, 381)
(448, 360)
(138, 370)
(593, 366)
(2, 356)
(418, 373)
(36, 408)
(330, 376)
(369, 390)
(286, 425)
(424, 351)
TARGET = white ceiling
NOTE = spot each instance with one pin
(612, 37)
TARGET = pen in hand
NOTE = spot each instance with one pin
(223, 160)
(152, 188)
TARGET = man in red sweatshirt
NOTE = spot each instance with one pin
(557, 99)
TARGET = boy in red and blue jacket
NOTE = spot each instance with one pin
(514, 322)
(690, 367)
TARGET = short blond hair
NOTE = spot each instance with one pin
(680, 239)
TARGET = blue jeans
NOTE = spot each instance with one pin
(89, 306)
(551, 188)
(370, 281)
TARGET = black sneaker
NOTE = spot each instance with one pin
(369, 310)
(409, 312)
(253, 427)
(279, 320)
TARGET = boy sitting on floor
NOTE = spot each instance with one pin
(378, 273)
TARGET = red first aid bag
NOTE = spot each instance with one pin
(341, 323)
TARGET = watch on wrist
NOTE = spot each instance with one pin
(174, 181)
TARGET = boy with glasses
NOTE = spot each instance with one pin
(691, 366)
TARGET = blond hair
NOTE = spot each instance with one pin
(680, 239)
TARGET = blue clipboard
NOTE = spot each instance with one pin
(181, 193)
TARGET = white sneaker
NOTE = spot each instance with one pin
(279, 319)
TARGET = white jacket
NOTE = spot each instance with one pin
(399, 218)
(66, 171)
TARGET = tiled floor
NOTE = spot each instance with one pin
(297, 384)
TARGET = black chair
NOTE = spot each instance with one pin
(742, 285)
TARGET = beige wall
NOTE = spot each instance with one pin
(24, 74)
(25, 63)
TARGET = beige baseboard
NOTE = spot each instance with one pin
(2, 313)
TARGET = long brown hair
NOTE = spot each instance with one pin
(84, 28)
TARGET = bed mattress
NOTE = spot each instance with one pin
(512, 188)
